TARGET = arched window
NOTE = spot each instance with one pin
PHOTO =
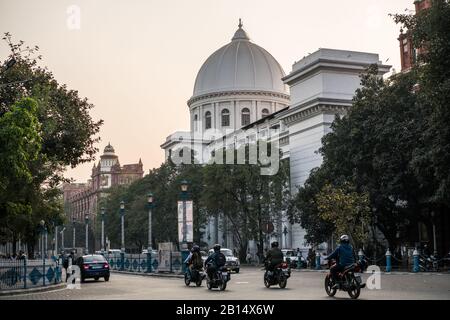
(245, 116)
(208, 120)
(225, 118)
(195, 122)
(265, 112)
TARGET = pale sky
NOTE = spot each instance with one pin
(137, 60)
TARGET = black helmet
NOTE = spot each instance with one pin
(216, 247)
(195, 248)
(275, 244)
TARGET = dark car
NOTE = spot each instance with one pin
(93, 266)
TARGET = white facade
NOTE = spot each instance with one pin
(321, 86)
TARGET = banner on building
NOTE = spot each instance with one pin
(189, 221)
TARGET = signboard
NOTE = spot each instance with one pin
(189, 221)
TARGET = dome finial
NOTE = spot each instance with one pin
(240, 33)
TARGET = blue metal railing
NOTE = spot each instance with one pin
(25, 273)
(164, 261)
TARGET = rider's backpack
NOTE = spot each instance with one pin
(220, 259)
(197, 260)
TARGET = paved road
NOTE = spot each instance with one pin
(248, 285)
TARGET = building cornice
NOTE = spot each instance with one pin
(238, 93)
(299, 115)
(331, 65)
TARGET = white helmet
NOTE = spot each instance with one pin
(344, 238)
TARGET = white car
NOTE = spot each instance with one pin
(232, 263)
(291, 255)
(154, 252)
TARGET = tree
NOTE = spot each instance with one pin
(245, 198)
(303, 209)
(66, 137)
(348, 211)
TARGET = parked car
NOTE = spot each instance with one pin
(93, 266)
(154, 252)
(290, 256)
(232, 263)
(114, 251)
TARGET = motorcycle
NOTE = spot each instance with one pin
(428, 263)
(196, 276)
(348, 280)
(219, 279)
(279, 276)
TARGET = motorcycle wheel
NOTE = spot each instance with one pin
(223, 286)
(329, 286)
(283, 283)
(208, 285)
(354, 288)
(198, 283)
(266, 280)
(187, 281)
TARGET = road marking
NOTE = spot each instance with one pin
(241, 282)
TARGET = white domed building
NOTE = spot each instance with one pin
(241, 92)
(237, 85)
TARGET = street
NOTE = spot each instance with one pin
(303, 285)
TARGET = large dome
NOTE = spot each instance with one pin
(240, 65)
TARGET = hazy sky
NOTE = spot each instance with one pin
(137, 60)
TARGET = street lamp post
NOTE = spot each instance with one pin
(285, 232)
(43, 236)
(86, 220)
(73, 233)
(122, 253)
(55, 251)
(434, 234)
(184, 195)
(62, 238)
(122, 222)
(149, 251)
(103, 230)
(150, 207)
(42, 228)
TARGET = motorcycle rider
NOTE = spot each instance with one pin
(274, 257)
(217, 260)
(194, 260)
(343, 255)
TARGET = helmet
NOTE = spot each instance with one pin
(275, 244)
(344, 239)
(195, 248)
(216, 247)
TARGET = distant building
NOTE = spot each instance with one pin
(81, 199)
(408, 54)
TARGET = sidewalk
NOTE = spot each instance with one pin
(33, 290)
(152, 274)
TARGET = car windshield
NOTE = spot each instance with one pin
(94, 258)
(289, 253)
(227, 252)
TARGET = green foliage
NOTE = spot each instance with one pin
(245, 197)
(347, 210)
(20, 143)
(37, 146)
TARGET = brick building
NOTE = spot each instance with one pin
(408, 54)
(81, 199)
